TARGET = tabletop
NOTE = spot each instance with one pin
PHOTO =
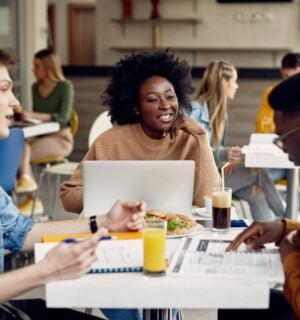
(135, 290)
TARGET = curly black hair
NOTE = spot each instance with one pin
(122, 93)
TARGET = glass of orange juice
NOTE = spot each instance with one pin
(154, 236)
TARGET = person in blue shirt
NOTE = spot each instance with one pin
(219, 83)
(19, 233)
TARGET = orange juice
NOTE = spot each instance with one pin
(154, 250)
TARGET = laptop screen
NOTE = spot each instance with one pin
(164, 185)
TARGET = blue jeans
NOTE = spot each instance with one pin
(277, 174)
(123, 314)
(128, 314)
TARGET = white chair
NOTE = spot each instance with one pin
(101, 124)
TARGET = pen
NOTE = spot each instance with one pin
(108, 238)
(72, 240)
(69, 240)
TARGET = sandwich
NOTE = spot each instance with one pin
(177, 224)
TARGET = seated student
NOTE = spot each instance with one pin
(285, 100)
(52, 97)
(290, 65)
(219, 83)
(147, 96)
(19, 233)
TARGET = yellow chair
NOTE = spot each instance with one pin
(56, 165)
(74, 122)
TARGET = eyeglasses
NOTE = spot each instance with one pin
(279, 141)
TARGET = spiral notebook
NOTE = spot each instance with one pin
(113, 255)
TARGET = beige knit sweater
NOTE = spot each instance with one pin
(129, 142)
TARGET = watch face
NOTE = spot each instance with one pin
(93, 224)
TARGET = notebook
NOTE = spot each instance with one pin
(80, 236)
(164, 185)
(113, 255)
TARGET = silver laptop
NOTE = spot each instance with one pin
(164, 185)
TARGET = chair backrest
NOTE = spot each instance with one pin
(11, 150)
(101, 124)
(74, 122)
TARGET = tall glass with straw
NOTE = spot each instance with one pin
(221, 205)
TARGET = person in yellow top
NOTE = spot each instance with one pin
(285, 100)
(264, 119)
(290, 65)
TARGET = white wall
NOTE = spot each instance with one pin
(33, 37)
(249, 35)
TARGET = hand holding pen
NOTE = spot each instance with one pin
(70, 260)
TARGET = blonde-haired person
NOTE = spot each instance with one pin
(219, 83)
(52, 97)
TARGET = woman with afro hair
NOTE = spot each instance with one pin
(148, 98)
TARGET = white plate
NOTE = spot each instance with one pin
(197, 230)
(201, 212)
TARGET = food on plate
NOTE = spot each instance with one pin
(177, 224)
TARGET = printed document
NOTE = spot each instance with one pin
(204, 257)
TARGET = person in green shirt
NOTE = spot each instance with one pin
(52, 97)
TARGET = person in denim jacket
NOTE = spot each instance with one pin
(19, 233)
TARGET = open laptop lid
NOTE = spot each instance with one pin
(164, 185)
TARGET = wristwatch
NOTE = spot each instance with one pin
(93, 224)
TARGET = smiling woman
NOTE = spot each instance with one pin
(159, 106)
(147, 97)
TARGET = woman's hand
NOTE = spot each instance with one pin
(186, 123)
(27, 115)
(44, 117)
(230, 169)
(235, 155)
(126, 215)
(70, 260)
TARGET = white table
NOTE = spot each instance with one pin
(135, 290)
(40, 129)
(262, 153)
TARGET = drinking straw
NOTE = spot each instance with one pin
(222, 173)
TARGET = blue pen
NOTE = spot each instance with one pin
(108, 238)
(72, 240)
(69, 240)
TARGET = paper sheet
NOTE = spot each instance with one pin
(203, 257)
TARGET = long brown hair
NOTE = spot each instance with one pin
(52, 64)
(211, 91)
